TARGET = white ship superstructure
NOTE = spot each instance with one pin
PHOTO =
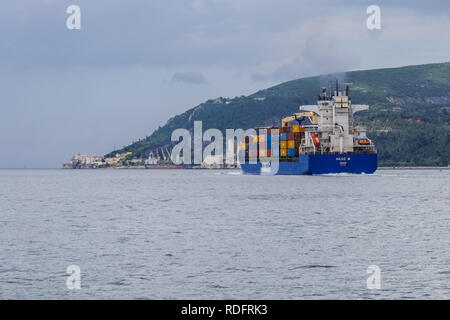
(334, 131)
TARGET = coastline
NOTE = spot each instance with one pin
(200, 168)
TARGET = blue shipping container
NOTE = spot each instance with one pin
(291, 152)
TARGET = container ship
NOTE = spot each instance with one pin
(320, 139)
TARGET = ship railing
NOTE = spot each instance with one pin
(336, 153)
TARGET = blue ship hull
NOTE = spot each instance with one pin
(316, 164)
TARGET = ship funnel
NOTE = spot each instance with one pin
(347, 88)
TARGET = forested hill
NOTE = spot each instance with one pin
(409, 118)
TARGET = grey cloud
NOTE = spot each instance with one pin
(318, 56)
(189, 77)
(157, 33)
(117, 33)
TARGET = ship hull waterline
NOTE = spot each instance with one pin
(316, 164)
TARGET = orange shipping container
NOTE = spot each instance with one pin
(283, 152)
(283, 144)
(243, 146)
(291, 144)
(255, 139)
(296, 128)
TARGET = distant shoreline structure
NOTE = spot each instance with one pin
(128, 161)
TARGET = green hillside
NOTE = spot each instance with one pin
(409, 118)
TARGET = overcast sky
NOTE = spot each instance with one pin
(134, 64)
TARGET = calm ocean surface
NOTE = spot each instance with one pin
(213, 234)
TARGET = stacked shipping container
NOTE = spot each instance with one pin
(290, 139)
(260, 145)
(265, 142)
